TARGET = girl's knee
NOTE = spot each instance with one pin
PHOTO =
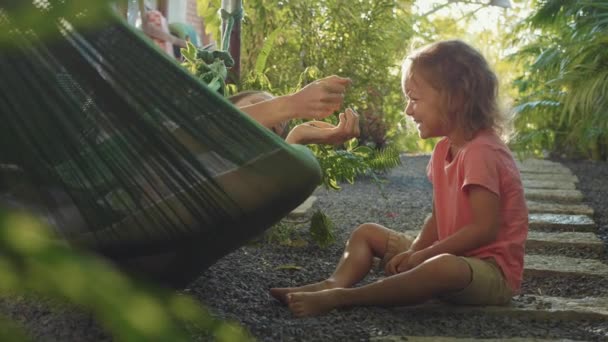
(449, 266)
(364, 231)
(372, 235)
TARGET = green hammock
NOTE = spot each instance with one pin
(127, 155)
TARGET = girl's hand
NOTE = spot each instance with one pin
(392, 266)
(414, 260)
(320, 98)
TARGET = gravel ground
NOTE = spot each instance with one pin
(236, 287)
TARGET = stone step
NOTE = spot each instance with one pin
(304, 208)
(526, 176)
(581, 227)
(539, 265)
(565, 243)
(559, 196)
(531, 166)
(535, 162)
(559, 208)
(527, 307)
(395, 338)
(548, 184)
(549, 240)
(558, 222)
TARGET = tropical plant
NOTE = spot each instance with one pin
(339, 165)
(322, 229)
(210, 67)
(562, 105)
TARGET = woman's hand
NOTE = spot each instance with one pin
(319, 99)
(320, 132)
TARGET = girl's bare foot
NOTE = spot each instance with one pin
(280, 293)
(304, 304)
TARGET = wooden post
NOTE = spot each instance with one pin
(234, 6)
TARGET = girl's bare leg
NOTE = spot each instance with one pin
(441, 274)
(365, 242)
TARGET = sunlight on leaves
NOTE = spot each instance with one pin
(24, 233)
(145, 314)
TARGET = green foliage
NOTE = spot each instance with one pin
(322, 229)
(289, 232)
(339, 165)
(33, 262)
(9, 331)
(282, 233)
(208, 66)
(562, 105)
(209, 11)
(26, 15)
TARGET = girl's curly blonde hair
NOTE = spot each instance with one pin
(465, 81)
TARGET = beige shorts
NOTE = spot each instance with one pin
(487, 287)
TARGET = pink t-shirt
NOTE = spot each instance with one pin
(485, 161)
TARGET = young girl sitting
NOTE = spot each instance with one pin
(471, 248)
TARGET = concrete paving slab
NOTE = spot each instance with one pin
(552, 169)
(549, 176)
(460, 339)
(528, 307)
(535, 207)
(559, 222)
(548, 184)
(535, 162)
(303, 208)
(558, 196)
(539, 265)
(586, 243)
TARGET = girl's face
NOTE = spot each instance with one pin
(424, 106)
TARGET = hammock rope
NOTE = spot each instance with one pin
(229, 18)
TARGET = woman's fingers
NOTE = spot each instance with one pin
(334, 88)
(336, 80)
(352, 123)
(326, 94)
(320, 124)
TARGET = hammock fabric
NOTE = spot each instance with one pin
(127, 155)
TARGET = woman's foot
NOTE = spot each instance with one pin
(280, 293)
(304, 304)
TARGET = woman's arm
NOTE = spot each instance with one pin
(317, 100)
